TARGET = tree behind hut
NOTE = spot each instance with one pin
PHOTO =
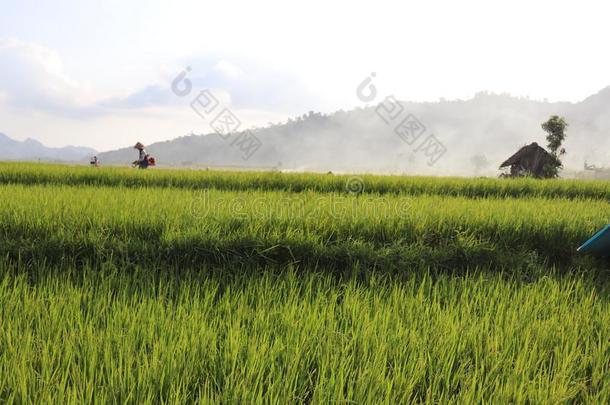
(555, 128)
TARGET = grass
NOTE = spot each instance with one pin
(34, 174)
(186, 227)
(109, 336)
(173, 287)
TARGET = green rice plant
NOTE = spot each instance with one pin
(167, 286)
(236, 335)
(190, 227)
(33, 174)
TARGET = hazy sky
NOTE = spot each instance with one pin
(99, 73)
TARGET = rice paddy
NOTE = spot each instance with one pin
(176, 286)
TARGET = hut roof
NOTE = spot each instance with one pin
(528, 156)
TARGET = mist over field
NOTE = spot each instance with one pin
(478, 135)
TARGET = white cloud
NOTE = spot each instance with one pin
(33, 77)
(228, 69)
(40, 100)
(280, 59)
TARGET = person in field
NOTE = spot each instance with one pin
(142, 161)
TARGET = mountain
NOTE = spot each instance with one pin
(476, 135)
(31, 149)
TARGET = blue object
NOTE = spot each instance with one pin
(599, 244)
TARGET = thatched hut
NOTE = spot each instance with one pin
(530, 160)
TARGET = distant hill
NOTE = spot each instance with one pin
(478, 135)
(30, 149)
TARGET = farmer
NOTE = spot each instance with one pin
(142, 161)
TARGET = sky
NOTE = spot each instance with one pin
(100, 73)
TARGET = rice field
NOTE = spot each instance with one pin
(171, 286)
(28, 174)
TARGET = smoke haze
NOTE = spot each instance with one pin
(478, 134)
